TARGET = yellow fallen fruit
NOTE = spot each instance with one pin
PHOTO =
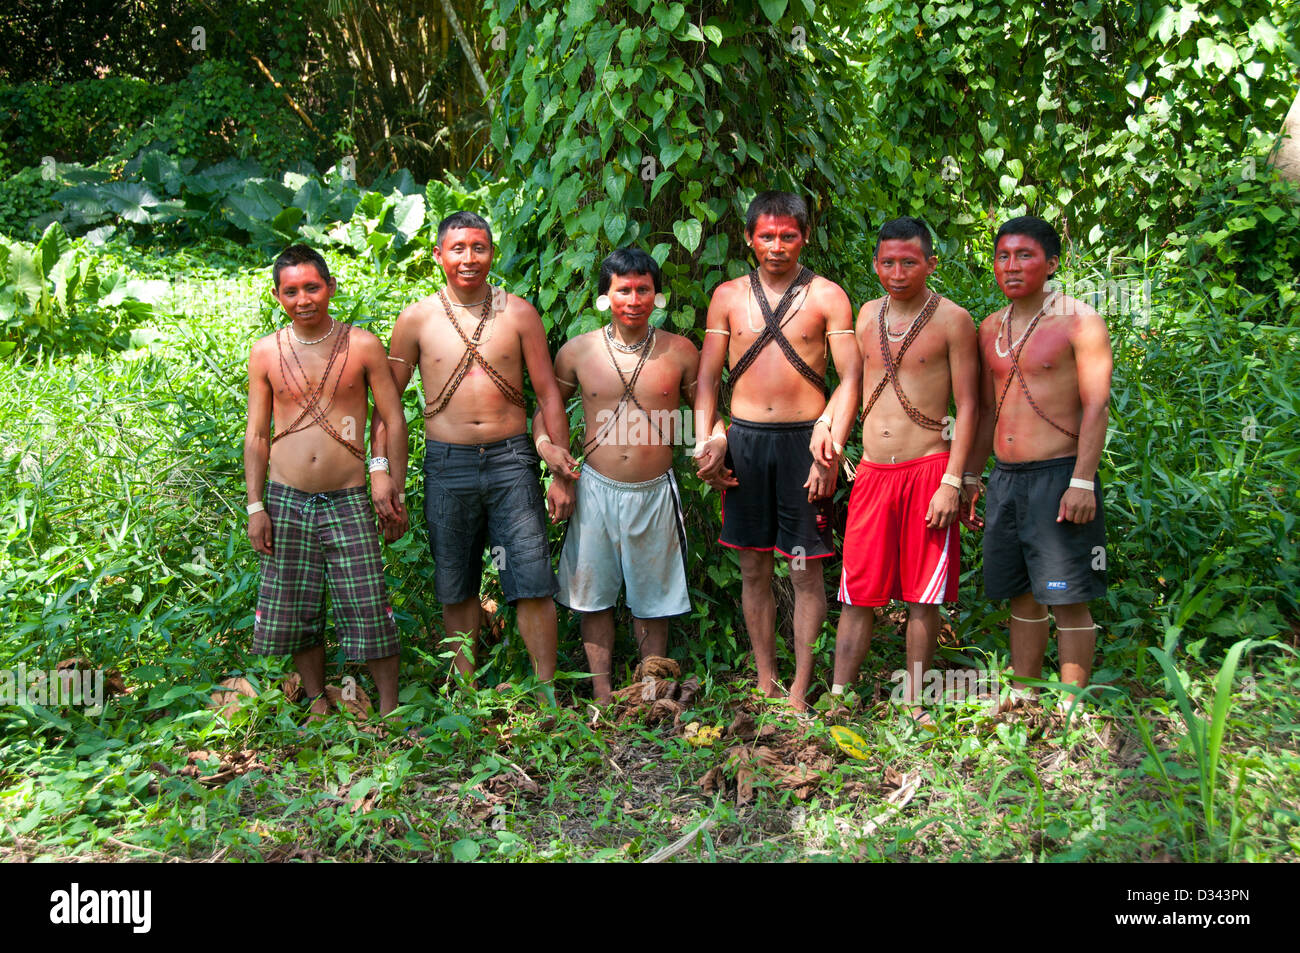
(705, 735)
(850, 742)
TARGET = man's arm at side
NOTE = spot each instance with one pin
(257, 448)
(537, 359)
(713, 447)
(561, 495)
(963, 370)
(843, 404)
(982, 443)
(1094, 363)
(387, 488)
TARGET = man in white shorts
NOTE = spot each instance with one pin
(626, 526)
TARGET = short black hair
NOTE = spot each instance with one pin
(299, 255)
(776, 203)
(628, 261)
(904, 230)
(463, 220)
(1034, 228)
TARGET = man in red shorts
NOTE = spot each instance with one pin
(919, 350)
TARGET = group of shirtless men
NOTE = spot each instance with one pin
(1031, 386)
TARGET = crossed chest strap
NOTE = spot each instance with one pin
(309, 397)
(629, 385)
(893, 360)
(1017, 374)
(774, 321)
(468, 359)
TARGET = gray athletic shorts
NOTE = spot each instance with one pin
(629, 533)
(1027, 550)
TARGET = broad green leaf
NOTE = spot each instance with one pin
(688, 232)
(465, 850)
(773, 9)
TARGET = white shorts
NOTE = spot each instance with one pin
(629, 533)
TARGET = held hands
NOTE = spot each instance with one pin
(945, 506)
(709, 459)
(558, 460)
(394, 520)
(560, 499)
(822, 444)
(821, 480)
(259, 532)
(970, 494)
(1077, 506)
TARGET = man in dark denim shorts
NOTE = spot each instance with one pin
(472, 343)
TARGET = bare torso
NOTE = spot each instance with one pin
(1052, 376)
(771, 390)
(634, 447)
(479, 411)
(925, 374)
(309, 458)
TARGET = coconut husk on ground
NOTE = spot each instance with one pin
(657, 693)
(230, 765)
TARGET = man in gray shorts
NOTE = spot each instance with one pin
(1045, 391)
(473, 343)
(626, 525)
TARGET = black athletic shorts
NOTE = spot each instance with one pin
(1027, 550)
(769, 509)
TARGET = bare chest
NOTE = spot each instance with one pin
(657, 384)
(443, 349)
(1046, 355)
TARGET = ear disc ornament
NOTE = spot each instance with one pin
(602, 303)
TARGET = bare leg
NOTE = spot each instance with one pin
(809, 614)
(1076, 642)
(462, 620)
(598, 641)
(852, 641)
(922, 640)
(538, 626)
(311, 668)
(1028, 639)
(651, 636)
(759, 606)
(384, 672)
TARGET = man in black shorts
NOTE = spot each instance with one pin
(777, 463)
(1044, 396)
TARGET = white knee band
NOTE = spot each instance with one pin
(1019, 619)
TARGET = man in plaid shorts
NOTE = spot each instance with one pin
(312, 522)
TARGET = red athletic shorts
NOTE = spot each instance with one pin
(889, 553)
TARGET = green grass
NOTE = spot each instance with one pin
(122, 542)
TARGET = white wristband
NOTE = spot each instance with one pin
(823, 419)
(544, 438)
(949, 480)
(1078, 484)
(378, 463)
(255, 508)
(970, 479)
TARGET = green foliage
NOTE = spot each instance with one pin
(53, 295)
(1106, 117)
(655, 124)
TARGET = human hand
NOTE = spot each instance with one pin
(970, 494)
(821, 480)
(822, 445)
(1077, 506)
(561, 496)
(558, 459)
(944, 507)
(259, 532)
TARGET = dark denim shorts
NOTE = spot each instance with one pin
(476, 494)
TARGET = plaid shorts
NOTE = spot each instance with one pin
(318, 538)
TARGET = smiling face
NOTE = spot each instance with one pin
(777, 242)
(1021, 266)
(631, 300)
(902, 267)
(465, 255)
(304, 294)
